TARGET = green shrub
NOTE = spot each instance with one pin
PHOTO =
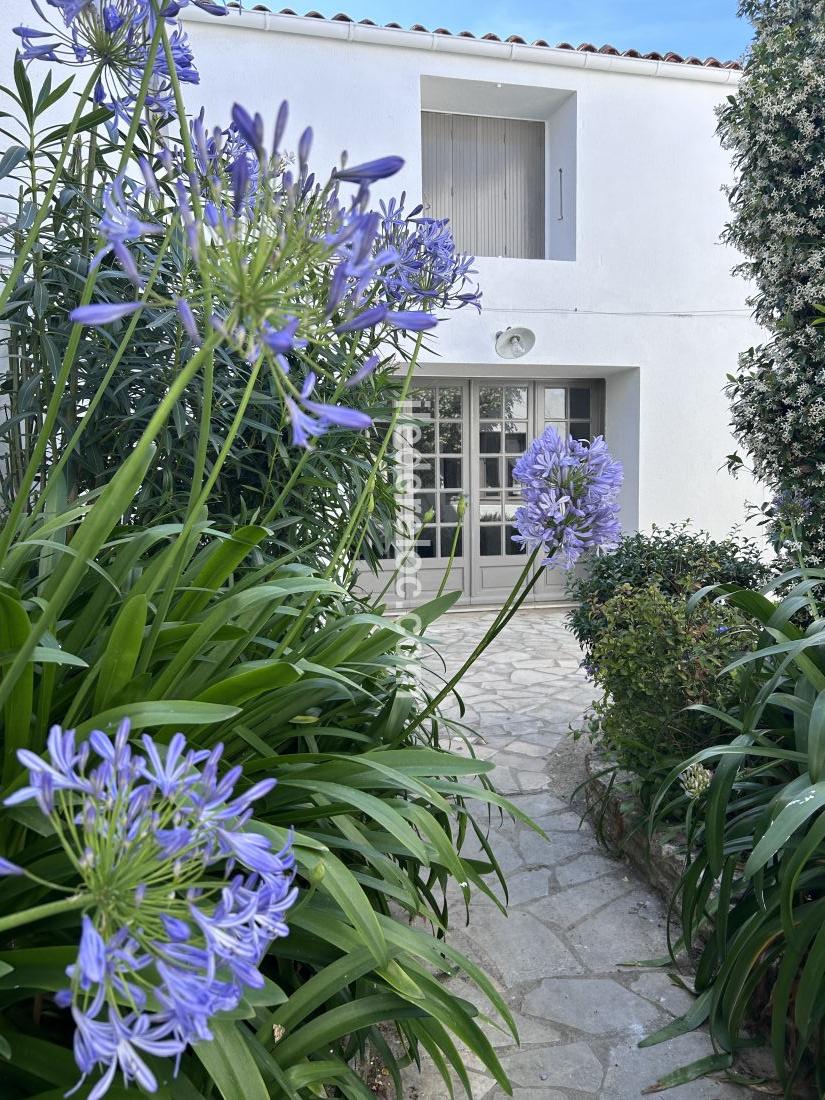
(675, 559)
(653, 657)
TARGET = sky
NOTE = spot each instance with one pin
(701, 27)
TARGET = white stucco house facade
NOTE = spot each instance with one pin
(596, 228)
(589, 186)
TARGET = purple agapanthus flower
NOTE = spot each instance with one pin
(103, 313)
(120, 223)
(117, 35)
(313, 418)
(183, 900)
(428, 267)
(371, 171)
(570, 491)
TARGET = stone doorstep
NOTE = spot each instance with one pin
(660, 863)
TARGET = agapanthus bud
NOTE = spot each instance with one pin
(280, 127)
(371, 171)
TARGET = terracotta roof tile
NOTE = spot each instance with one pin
(584, 47)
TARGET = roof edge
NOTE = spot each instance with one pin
(439, 41)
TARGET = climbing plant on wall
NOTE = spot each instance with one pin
(775, 128)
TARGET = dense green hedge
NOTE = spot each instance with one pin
(675, 559)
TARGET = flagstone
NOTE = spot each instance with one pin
(576, 913)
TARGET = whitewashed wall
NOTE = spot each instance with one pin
(648, 173)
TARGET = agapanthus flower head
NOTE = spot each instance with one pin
(696, 781)
(570, 491)
(115, 34)
(265, 240)
(428, 266)
(183, 902)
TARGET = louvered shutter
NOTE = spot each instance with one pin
(487, 176)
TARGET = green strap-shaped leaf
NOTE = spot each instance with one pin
(223, 557)
(117, 664)
(376, 808)
(809, 801)
(17, 710)
(700, 1068)
(250, 682)
(816, 739)
(229, 1062)
(340, 1021)
(166, 712)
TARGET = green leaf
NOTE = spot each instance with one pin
(11, 158)
(223, 557)
(693, 1018)
(117, 664)
(24, 89)
(700, 1068)
(229, 1063)
(250, 681)
(48, 655)
(17, 710)
(816, 739)
(368, 804)
(790, 818)
(167, 712)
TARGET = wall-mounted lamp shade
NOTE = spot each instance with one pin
(513, 343)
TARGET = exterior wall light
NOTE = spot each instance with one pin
(513, 343)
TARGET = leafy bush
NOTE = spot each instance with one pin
(774, 128)
(755, 880)
(652, 659)
(675, 559)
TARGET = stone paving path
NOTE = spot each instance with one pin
(575, 913)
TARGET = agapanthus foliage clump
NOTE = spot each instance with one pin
(570, 490)
(775, 128)
(180, 902)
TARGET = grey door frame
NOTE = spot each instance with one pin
(468, 566)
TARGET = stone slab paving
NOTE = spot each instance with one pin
(575, 912)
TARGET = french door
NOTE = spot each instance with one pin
(459, 457)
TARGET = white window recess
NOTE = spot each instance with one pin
(500, 162)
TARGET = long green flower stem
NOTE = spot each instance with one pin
(209, 367)
(40, 912)
(425, 520)
(10, 527)
(305, 454)
(366, 493)
(511, 605)
(123, 346)
(445, 576)
(179, 553)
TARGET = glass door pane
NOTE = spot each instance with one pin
(569, 409)
(440, 468)
(503, 435)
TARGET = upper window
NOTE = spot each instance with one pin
(487, 175)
